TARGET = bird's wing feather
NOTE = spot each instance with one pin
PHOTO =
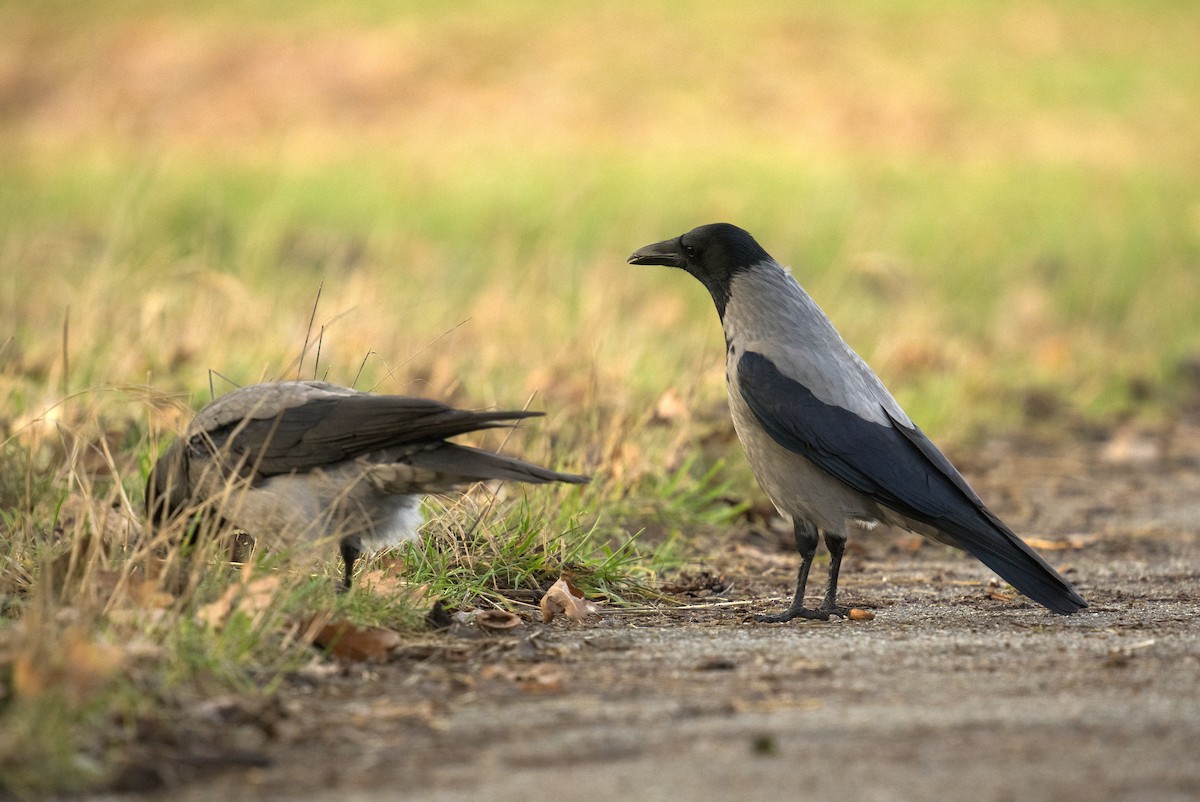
(308, 432)
(898, 467)
(465, 464)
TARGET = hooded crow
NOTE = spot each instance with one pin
(316, 461)
(827, 442)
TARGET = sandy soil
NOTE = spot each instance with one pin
(954, 690)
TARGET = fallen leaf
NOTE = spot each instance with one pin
(908, 543)
(859, 614)
(567, 600)
(389, 583)
(497, 620)
(148, 594)
(1069, 542)
(998, 595)
(670, 407)
(78, 666)
(538, 678)
(250, 596)
(1130, 446)
(356, 643)
(627, 463)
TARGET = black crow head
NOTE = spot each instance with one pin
(714, 254)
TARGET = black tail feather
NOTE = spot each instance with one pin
(477, 465)
(1020, 566)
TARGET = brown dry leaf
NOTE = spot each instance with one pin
(909, 543)
(859, 614)
(497, 620)
(78, 665)
(1069, 542)
(250, 596)
(1131, 446)
(148, 593)
(670, 407)
(356, 643)
(998, 595)
(627, 463)
(567, 600)
(389, 583)
(139, 599)
(538, 678)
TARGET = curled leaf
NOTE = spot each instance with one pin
(564, 599)
(859, 614)
(497, 620)
(356, 643)
(251, 596)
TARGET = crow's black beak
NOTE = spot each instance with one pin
(668, 252)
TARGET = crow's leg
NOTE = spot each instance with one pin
(351, 551)
(807, 538)
(836, 543)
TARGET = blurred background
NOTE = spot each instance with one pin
(997, 203)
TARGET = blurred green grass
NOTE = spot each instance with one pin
(989, 199)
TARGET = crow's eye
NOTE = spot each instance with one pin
(689, 251)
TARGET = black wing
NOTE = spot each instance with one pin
(323, 431)
(900, 468)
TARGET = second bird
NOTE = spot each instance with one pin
(306, 460)
(826, 440)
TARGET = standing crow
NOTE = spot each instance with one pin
(310, 460)
(827, 442)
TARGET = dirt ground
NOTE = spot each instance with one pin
(954, 690)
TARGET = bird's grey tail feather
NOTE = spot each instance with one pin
(473, 464)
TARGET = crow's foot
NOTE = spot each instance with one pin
(821, 613)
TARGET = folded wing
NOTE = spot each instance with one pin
(898, 467)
